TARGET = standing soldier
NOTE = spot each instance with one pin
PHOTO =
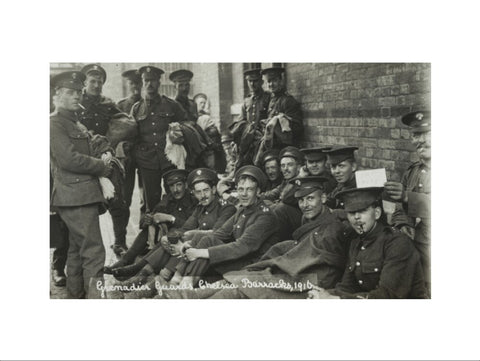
(198, 144)
(284, 125)
(153, 114)
(96, 115)
(76, 191)
(247, 130)
(414, 191)
(134, 85)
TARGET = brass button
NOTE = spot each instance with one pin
(154, 133)
(206, 212)
(153, 123)
(376, 269)
(420, 185)
(152, 113)
(179, 209)
(77, 180)
(204, 224)
(360, 282)
(238, 226)
(156, 144)
(362, 248)
(357, 263)
(96, 124)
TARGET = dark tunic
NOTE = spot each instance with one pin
(242, 240)
(126, 104)
(97, 113)
(153, 117)
(283, 102)
(382, 264)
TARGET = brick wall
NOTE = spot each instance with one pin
(360, 104)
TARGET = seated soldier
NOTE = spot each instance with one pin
(286, 208)
(343, 166)
(243, 239)
(170, 213)
(209, 214)
(382, 262)
(271, 167)
(316, 165)
(316, 255)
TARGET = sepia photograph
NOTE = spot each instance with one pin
(240, 180)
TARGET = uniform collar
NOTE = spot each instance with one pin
(372, 235)
(91, 98)
(151, 101)
(251, 208)
(280, 93)
(211, 206)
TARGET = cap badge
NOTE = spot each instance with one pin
(74, 76)
(419, 116)
(148, 70)
(199, 172)
(95, 67)
(298, 182)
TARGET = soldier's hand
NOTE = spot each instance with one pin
(320, 293)
(107, 157)
(107, 171)
(395, 191)
(165, 244)
(193, 253)
(176, 249)
(148, 219)
(409, 231)
(162, 218)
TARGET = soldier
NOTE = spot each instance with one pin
(96, 115)
(382, 262)
(247, 130)
(98, 109)
(284, 125)
(76, 193)
(271, 166)
(343, 166)
(153, 114)
(242, 239)
(316, 165)
(171, 213)
(198, 144)
(134, 86)
(414, 190)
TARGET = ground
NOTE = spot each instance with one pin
(108, 239)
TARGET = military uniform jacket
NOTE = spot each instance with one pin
(181, 209)
(255, 108)
(153, 117)
(126, 104)
(334, 203)
(274, 184)
(284, 192)
(97, 113)
(209, 217)
(284, 103)
(75, 171)
(246, 235)
(382, 264)
(190, 108)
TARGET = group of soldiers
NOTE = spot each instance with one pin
(246, 214)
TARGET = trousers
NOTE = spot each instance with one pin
(86, 252)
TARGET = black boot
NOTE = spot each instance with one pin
(124, 273)
(122, 263)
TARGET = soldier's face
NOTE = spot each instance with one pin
(94, 84)
(134, 87)
(422, 141)
(68, 99)
(272, 169)
(183, 88)
(151, 85)
(201, 103)
(290, 167)
(275, 83)
(343, 171)
(178, 190)
(316, 167)
(254, 85)
(248, 192)
(204, 193)
(311, 205)
(363, 220)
